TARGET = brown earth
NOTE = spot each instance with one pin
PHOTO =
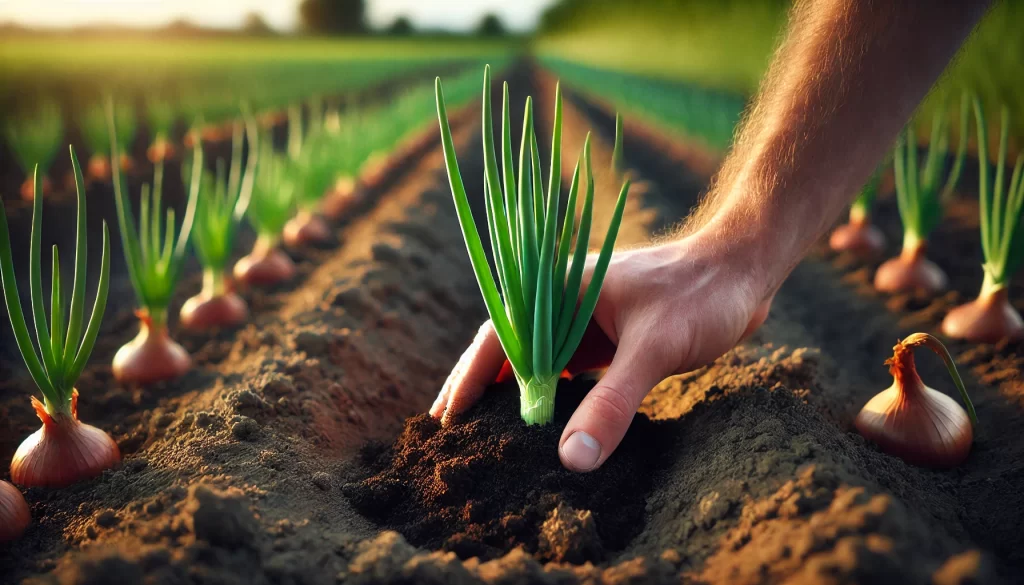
(236, 473)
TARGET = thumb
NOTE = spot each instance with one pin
(601, 420)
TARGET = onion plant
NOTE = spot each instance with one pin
(35, 137)
(536, 314)
(160, 115)
(859, 236)
(155, 257)
(64, 450)
(272, 205)
(95, 130)
(991, 317)
(222, 204)
(315, 168)
(920, 193)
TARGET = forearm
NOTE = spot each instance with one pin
(840, 88)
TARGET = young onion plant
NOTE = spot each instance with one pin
(536, 314)
(64, 450)
(35, 138)
(272, 205)
(95, 130)
(154, 257)
(859, 236)
(222, 204)
(314, 168)
(160, 115)
(991, 317)
(920, 194)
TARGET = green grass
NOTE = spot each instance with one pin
(727, 45)
(206, 78)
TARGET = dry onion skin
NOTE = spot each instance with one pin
(155, 255)
(14, 513)
(64, 450)
(991, 318)
(916, 423)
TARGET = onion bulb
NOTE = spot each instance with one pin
(341, 199)
(64, 451)
(858, 236)
(28, 188)
(152, 356)
(988, 319)
(215, 306)
(160, 150)
(265, 265)
(916, 423)
(14, 514)
(306, 229)
(910, 271)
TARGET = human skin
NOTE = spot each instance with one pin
(841, 86)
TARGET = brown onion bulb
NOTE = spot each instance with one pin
(306, 229)
(342, 199)
(859, 236)
(916, 423)
(98, 168)
(151, 357)
(160, 150)
(14, 513)
(28, 188)
(63, 451)
(264, 266)
(988, 319)
(203, 311)
(910, 271)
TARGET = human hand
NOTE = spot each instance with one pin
(663, 310)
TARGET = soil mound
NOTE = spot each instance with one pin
(488, 483)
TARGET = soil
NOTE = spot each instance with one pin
(746, 471)
(488, 483)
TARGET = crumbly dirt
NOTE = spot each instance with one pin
(488, 483)
(237, 472)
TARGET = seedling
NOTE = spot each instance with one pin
(160, 114)
(154, 257)
(95, 130)
(991, 317)
(35, 138)
(920, 195)
(64, 450)
(536, 315)
(314, 168)
(859, 236)
(272, 205)
(222, 204)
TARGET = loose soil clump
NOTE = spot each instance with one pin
(487, 483)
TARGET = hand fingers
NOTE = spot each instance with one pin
(601, 420)
(477, 368)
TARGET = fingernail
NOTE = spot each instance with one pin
(581, 451)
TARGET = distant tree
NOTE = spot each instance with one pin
(333, 16)
(255, 25)
(401, 27)
(490, 26)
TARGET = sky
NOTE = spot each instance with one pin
(280, 14)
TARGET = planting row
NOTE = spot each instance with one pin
(330, 163)
(35, 132)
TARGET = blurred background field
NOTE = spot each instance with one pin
(688, 66)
